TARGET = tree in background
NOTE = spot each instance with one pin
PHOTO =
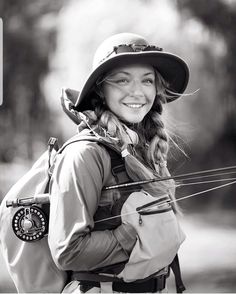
(29, 29)
(219, 17)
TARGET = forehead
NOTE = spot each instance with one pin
(135, 68)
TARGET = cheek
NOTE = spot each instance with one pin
(108, 95)
(110, 100)
(112, 97)
(111, 104)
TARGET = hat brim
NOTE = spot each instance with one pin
(173, 69)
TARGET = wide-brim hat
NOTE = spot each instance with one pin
(122, 49)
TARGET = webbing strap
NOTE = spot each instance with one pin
(88, 276)
(88, 137)
(177, 273)
(117, 163)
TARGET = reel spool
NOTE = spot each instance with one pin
(30, 224)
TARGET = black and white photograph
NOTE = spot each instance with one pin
(117, 146)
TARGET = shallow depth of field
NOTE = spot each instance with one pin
(48, 45)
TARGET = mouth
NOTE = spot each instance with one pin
(134, 105)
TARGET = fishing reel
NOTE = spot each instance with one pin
(30, 223)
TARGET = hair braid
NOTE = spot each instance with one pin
(149, 138)
(156, 137)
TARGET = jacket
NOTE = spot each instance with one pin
(80, 173)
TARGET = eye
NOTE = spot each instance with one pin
(122, 81)
(148, 81)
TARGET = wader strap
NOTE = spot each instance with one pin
(90, 280)
(86, 276)
(177, 273)
(117, 166)
(118, 170)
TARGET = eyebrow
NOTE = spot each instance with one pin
(127, 73)
(149, 73)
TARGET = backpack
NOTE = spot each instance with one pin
(23, 232)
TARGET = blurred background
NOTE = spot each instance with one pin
(48, 45)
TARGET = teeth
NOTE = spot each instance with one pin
(134, 105)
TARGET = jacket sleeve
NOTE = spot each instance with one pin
(80, 173)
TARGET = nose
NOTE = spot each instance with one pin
(136, 88)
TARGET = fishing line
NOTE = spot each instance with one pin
(202, 192)
(171, 201)
(204, 182)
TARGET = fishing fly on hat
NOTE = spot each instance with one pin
(124, 48)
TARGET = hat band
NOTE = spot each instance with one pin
(123, 48)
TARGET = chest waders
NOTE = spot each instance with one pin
(153, 284)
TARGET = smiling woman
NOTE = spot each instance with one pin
(129, 91)
(122, 240)
(120, 104)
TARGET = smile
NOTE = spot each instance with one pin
(134, 105)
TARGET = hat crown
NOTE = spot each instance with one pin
(105, 50)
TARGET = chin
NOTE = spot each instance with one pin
(134, 121)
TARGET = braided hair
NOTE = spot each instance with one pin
(148, 152)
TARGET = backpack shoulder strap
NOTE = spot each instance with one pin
(177, 273)
(88, 137)
(118, 169)
(117, 163)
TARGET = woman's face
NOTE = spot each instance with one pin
(130, 91)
